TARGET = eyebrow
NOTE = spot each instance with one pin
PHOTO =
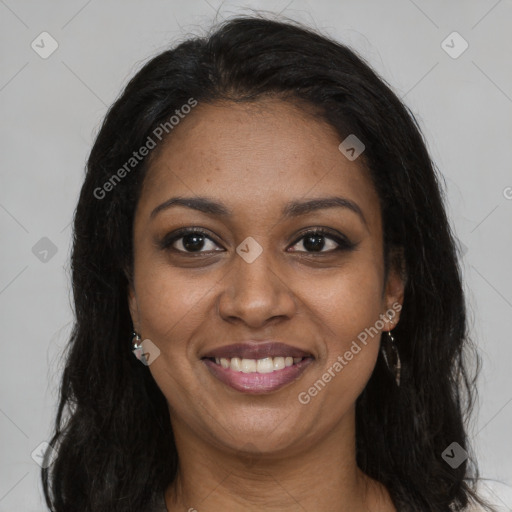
(291, 209)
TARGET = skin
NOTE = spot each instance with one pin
(261, 452)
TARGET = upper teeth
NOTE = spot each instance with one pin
(266, 365)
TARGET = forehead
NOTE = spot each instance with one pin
(255, 155)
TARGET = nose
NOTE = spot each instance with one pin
(256, 293)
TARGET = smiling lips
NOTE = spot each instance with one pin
(257, 367)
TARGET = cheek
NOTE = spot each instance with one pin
(171, 313)
(172, 309)
(346, 307)
(346, 301)
(169, 302)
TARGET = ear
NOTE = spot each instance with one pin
(394, 289)
(133, 306)
(127, 270)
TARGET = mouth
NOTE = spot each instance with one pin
(265, 365)
(257, 368)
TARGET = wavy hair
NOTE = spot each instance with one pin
(112, 433)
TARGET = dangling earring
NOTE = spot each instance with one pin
(392, 357)
(137, 348)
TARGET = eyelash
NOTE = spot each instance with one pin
(343, 243)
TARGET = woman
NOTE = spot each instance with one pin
(262, 226)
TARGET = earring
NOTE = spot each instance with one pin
(137, 348)
(392, 357)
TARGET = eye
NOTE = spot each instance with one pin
(314, 241)
(194, 240)
(188, 241)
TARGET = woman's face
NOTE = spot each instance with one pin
(255, 276)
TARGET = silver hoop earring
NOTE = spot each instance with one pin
(137, 347)
(392, 357)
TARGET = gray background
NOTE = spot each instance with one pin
(51, 111)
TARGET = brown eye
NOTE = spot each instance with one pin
(189, 240)
(315, 241)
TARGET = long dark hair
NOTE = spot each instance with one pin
(112, 432)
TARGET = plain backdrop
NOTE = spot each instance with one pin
(51, 110)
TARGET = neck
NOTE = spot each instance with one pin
(321, 476)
